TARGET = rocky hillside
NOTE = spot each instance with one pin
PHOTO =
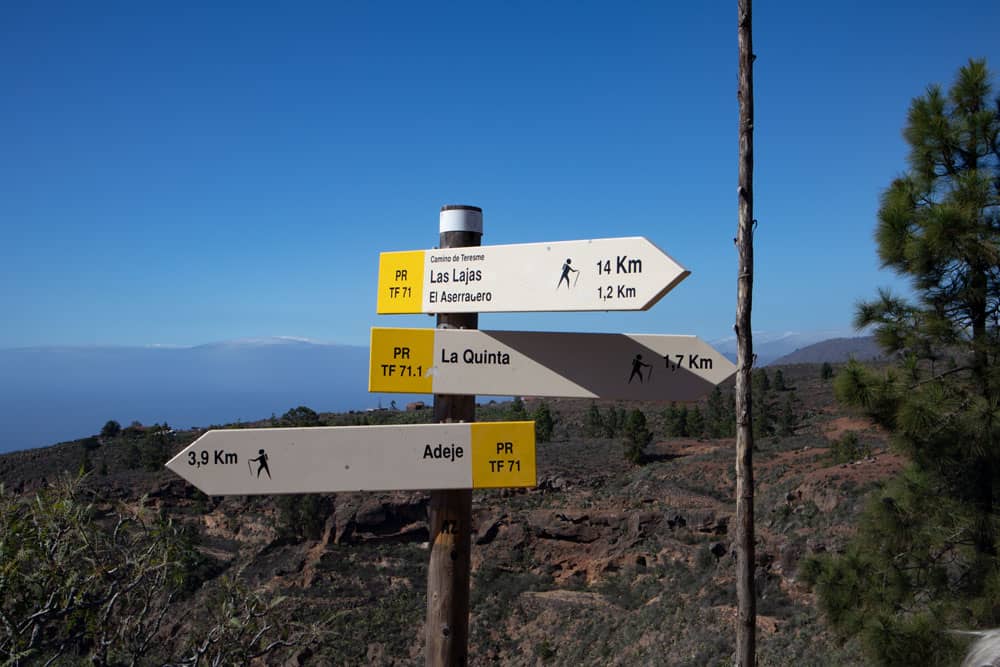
(605, 562)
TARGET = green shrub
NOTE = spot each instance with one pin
(849, 447)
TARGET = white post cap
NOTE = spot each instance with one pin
(459, 218)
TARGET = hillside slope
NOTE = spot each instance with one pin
(603, 563)
(834, 351)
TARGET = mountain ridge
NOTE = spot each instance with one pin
(835, 350)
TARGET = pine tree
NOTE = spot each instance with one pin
(544, 422)
(637, 436)
(683, 421)
(595, 425)
(763, 379)
(677, 421)
(695, 422)
(939, 226)
(779, 381)
(788, 417)
(720, 415)
(929, 543)
(670, 416)
(517, 411)
(612, 424)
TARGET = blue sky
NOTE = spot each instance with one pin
(175, 173)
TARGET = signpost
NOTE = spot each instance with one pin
(600, 274)
(360, 458)
(449, 516)
(455, 362)
(519, 363)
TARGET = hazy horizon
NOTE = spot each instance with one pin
(50, 394)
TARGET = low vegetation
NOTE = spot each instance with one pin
(101, 583)
(603, 553)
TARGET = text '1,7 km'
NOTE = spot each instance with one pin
(576, 365)
(360, 458)
(600, 274)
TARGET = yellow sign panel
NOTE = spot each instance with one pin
(503, 454)
(400, 282)
(400, 360)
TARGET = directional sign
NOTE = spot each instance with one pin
(600, 274)
(360, 458)
(521, 363)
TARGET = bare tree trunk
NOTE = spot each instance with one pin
(746, 623)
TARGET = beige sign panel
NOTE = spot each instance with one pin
(599, 274)
(522, 363)
(360, 458)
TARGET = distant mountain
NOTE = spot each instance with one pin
(770, 346)
(835, 350)
(51, 394)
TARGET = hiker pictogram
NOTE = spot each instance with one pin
(637, 366)
(261, 464)
(567, 268)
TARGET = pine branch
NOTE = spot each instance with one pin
(939, 376)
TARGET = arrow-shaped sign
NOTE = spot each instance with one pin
(522, 363)
(360, 458)
(600, 274)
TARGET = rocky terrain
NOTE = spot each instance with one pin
(604, 563)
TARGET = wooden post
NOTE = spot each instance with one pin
(447, 627)
(746, 600)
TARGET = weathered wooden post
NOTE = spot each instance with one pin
(447, 631)
(746, 623)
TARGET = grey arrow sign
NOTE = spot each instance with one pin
(522, 363)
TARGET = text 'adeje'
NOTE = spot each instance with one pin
(443, 452)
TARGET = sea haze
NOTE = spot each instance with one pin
(52, 394)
